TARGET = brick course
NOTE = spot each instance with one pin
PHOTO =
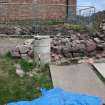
(42, 9)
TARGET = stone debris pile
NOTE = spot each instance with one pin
(24, 50)
(78, 44)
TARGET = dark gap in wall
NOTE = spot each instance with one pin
(67, 3)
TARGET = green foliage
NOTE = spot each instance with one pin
(54, 22)
(14, 88)
(28, 22)
(74, 27)
(25, 65)
(8, 55)
(22, 23)
(99, 16)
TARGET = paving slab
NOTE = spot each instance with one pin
(78, 78)
(100, 67)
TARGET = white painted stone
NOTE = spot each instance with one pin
(19, 71)
(100, 68)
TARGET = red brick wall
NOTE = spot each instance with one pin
(51, 11)
(42, 9)
(72, 2)
(21, 1)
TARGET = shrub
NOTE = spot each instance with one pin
(74, 27)
(25, 65)
(55, 22)
(8, 55)
(13, 88)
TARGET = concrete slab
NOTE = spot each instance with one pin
(78, 78)
(100, 67)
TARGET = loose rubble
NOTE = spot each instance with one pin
(24, 51)
(78, 44)
(66, 43)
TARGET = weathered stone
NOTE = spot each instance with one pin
(74, 37)
(23, 49)
(78, 34)
(59, 34)
(56, 49)
(66, 51)
(97, 40)
(102, 25)
(30, 53)
(98, 56)
(90, 45)
(19, 71)
(55, 57)
(81, 47)
(77, 54)
(101, 46)
(91, 54)
(30, 74)
(71, 31)
(15, 54)
(77, 46)
(103, 54)
(64, 40)
(84, 36)
(101, 36)
(24, 56)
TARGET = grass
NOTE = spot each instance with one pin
(25, 65)
(75, 27)
(55, 22)
(32, 22)
(15, 88)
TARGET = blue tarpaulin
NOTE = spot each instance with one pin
(58, 96)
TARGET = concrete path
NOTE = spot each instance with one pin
(78, 78)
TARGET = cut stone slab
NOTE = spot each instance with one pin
(78, 78)
(100, 67)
